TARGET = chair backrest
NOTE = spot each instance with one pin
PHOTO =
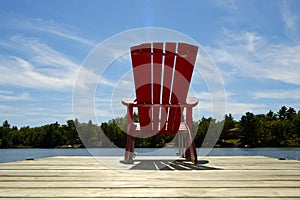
(162, 75)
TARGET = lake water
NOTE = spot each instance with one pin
(10, 155)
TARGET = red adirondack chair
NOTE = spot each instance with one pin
(162, 74)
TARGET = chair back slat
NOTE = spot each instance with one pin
(162, 75)
(169, 67)
(157, 58)
(141, 59)
(185, 59)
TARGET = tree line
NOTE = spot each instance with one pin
(280, 129)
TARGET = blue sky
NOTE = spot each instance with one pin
(254, 44)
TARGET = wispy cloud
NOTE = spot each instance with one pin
(249, 55)
(290, 94)
(11, 96)
(47, 26)
(217, 95)
(290, 21)
(233, 107)
(62, 32)
(250, 41)
(227, 4)
(34, 115)
(240, 108)
(254, 57)
(39, 67)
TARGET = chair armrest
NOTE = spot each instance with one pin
(128, 101)
(190, 102)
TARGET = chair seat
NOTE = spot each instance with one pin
(190, 102)
(136, 129)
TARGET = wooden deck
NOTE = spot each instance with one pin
(84, 177)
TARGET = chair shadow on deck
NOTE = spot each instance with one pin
(166, 164)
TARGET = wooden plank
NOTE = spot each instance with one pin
(163, 198)
(60, 176)
(150, 192)
(239, 176)
(149, 184)
(258, 178)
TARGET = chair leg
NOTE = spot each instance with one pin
(191, 147)
(187, 152)
(129, 150)
(191, 152)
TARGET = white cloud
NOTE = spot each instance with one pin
(281, 63)
(107, 82)
(47, 26)
(39, 67)
(250, 41)
(10, 96)
(42, 54)
(19, 72)
(287, 17)
(250, 55)
(289, 94)
(58, 30)
(4, 109)
(227, 4)
(218, 95)
(290, 21)
(233, 107)
(240, 108)
(34, 115)
(254, 57)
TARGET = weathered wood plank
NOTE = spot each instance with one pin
(149, 184)
(150, 174)
(164, 198)
(258, 166)
(80, 177)
(150, 192)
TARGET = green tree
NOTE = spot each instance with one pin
(114, 132)
(6, 124)
(26, 133)
(5, 137)
(285, 132)
(282, 113)
(270, 116)
(229, 124)
(290, 113)
(70, 133)
(248, 125)
(202, 130)
(295, 129)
